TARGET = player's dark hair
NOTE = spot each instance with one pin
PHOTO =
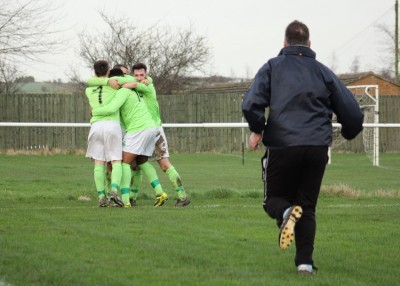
(119, 66)
(139, 66)
(116, 72)
(101, 68)
(297, 34)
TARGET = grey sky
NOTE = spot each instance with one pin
(242, 34)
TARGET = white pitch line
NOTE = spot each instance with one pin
(142, 206)
(240, 156)
(210, 206)
(362, 205)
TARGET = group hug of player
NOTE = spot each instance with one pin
(125, 130)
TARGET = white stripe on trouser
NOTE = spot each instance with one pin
(265, 165)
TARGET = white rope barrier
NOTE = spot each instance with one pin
(167, 125)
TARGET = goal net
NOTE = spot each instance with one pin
(368, 98)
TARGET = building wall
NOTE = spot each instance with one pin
(385, 87)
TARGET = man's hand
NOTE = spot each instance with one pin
(130, 85)
(113, 83)
(254, 139)
(145, 81)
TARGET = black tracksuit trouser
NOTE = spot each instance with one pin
(293, 176)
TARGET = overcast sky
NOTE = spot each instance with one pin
(242, 34)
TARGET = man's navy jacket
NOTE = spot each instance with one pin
(301, 94)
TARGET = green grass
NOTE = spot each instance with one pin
(49, 237)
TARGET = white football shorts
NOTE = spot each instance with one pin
(105, 141)
(140, 143)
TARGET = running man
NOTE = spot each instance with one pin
(301, 95)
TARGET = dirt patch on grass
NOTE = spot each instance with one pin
(43, 151)
(344, 190)
(340, 190)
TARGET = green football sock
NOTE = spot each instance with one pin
(176, 182)
(133, 194)
(125, 195)
(116, 176)
(151, 175)
(126, 176)
(125, 182)
(107, 183)
(136, 182)
(99, 178)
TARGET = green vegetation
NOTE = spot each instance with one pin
(49, 237)
(44, 87)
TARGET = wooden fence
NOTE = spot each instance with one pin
(185, 108)
(202, 108)
(43, 108)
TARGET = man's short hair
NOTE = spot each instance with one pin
(101, 68)
(297, 34)
(119, 66)
(116, 72)
(139, 66)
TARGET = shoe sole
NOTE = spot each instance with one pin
(286, 234)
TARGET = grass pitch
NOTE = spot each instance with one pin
(49, 237)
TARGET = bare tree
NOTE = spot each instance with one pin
(27, 29)
(8, 77)
(76, 84)
(334, 62)
(26, 33)
(355, 65)
(170, 54)
(388, 51)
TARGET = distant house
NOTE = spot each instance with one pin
(386, 87)
(226, 87)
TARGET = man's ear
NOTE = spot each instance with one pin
(285, 44)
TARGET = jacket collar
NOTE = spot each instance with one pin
(298, 50)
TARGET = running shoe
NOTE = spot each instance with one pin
(286, 234)
(161, 199)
